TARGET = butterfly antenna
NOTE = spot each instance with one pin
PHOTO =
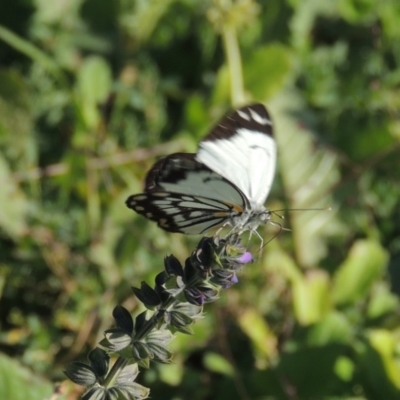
(275, 212)
(281, 228)
(300, 209)
(281, 217)
(277, 215)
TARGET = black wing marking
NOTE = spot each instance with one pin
(171, 169)
(254, 118)
(174, 212)
(182, 173)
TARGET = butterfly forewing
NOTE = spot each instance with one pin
(242, 149)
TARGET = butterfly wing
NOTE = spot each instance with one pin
(241, 148)
(174, 212)
(183, 195)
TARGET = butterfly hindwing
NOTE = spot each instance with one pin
(181, 173)
(182, 213)
(183, 195)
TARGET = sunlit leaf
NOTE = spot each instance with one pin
(14, 205)
(216, 363)
(384, 342)
(378, 367)
(260, 334)
(308, 173)
(311, 299)
(344, 368)
(266, 70)
(94, 84)
(333, 328)
(363, 266)
(18, 383)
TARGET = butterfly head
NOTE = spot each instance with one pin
(250, 220)
(265, 216)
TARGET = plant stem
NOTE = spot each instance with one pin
(114, 371)
(31, 51)
(232, 53)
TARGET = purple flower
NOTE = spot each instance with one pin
(246, 258)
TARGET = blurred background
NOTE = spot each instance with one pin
(92, 92)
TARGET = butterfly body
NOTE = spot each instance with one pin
(224, 184)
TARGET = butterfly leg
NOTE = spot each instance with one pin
(281, 228)
(259, 236)
(219, 230)
(216, 235)
(231, 232)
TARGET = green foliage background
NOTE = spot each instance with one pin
(93, 91)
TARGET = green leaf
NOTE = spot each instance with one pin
(311, 298)
(94, 82)
(265, 70)
(357, 10)
(308, 173)
(14, 205)
(378, 368)
(16, 120)
(344, 368)
(311, 370)
(333, 328)
(383, 302)
(222, 86)
(173, 373)
(196, 115)
(363, 266)
(216, 363)
(18, 383)
(385, 343)
(303, 19)
(389, 12)
(262, 337)
(26, 47)
(142, 19)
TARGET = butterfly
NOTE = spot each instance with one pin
(225, 183)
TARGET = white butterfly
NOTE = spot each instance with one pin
(225, 183)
